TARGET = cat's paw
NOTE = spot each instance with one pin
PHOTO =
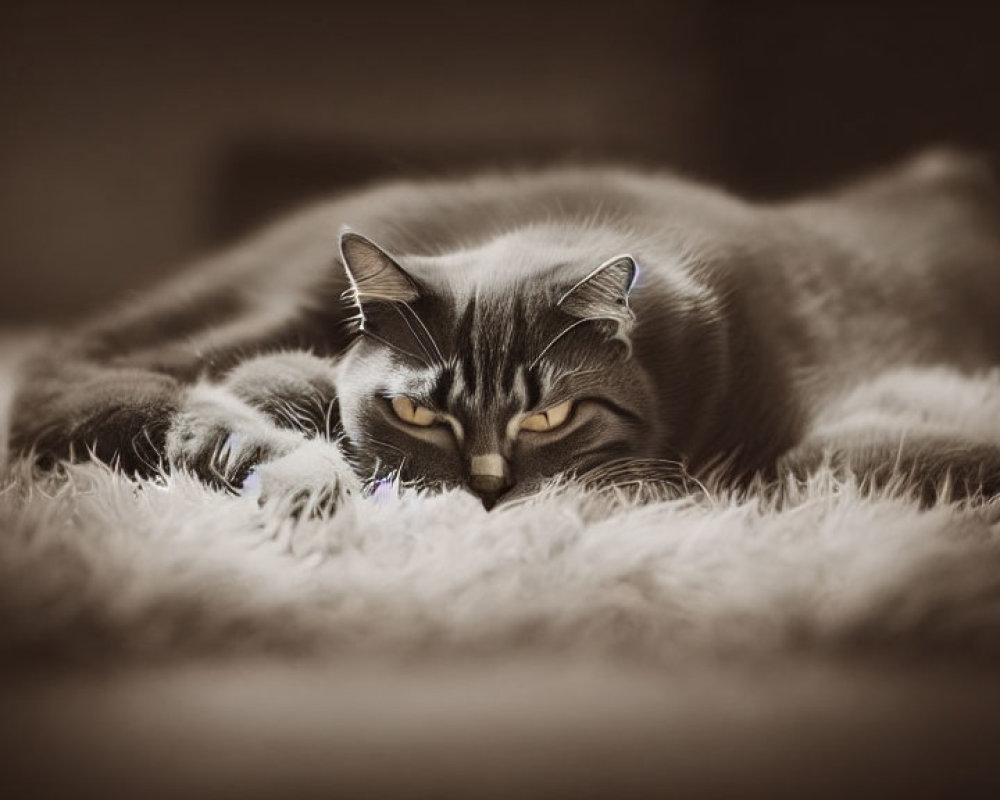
(310, 480)
(229, 444)
(221, 439)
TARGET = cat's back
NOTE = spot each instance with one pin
(878, 248)
(907, 264)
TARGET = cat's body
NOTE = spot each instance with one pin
(751, 324)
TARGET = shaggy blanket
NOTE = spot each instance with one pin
(94, 566)
(99, 571)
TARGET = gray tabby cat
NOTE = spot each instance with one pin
(498, 331)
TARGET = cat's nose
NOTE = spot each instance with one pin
(488, 489)
(489, 478)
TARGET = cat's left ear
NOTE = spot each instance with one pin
(374, 275)
(604, 294)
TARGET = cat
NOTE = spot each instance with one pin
(501, 331)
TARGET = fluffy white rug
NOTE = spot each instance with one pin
(572, 645)
(96, 567)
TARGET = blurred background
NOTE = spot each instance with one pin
(136, 136)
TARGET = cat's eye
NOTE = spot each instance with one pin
(410, 412)
(548, 420)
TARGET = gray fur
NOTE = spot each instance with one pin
(697, 333)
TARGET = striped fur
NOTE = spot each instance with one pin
(696, 333)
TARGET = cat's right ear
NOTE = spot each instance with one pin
(373, 274)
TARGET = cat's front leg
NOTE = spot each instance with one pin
(231, 445)
(295, 389)
(220, 439)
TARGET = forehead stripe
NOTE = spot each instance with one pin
(443, 388)
(464, 337)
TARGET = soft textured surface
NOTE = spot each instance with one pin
(99, 567)
(395, 600)
(95, 566)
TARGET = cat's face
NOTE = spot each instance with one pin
(476, 371)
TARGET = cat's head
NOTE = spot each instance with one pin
(492, 368)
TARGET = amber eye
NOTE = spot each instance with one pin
(410, 412)
(548, 420)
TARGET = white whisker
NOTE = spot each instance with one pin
(391, 346)
(555, 339)
(413, 333)
(416, 316)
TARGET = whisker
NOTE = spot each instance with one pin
(396, 348)
(649, 473)
(573, 373)
(328, 418)
(555, 339)
(416, 338)
(430, 337)
(381, 443)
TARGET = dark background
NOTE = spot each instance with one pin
(135, 136)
